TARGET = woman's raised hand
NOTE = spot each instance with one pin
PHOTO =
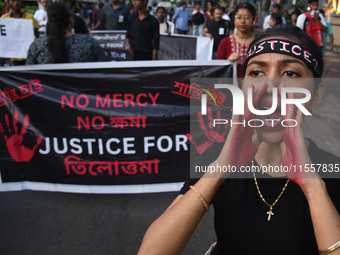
(242, 142)
(294, 149)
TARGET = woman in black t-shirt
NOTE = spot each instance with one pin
(290, 211)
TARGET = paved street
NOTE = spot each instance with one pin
(42, 223)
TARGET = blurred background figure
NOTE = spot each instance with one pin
(6, 10)
(275, 20)
(235, 46)
(329, 34)
(16, 12)
(62, 45)
(276, 9)
(180, 19)
(41, 16)
(197, 19)
(209, 14)
(79, 24)
(114, 16)
(131, 8)
(217, 29)
(164, 25)
(96, 18)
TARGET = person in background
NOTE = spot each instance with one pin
(6, 10)
(131, 8)
(114, 16)
(313, 23)
(142, 35)
(180, 19)
(217, 29)
(62, 45)
(294, 17)
(275, 20)
(16, 12)
(171, 13)
(149, 8)
(96, 17)
(164, 25)
(209, 14)
(276, 9)
(41, 16)
(231, 15)
(225, 15)
(79, 24)
(197, 19)
(330, 36)
(235, 46)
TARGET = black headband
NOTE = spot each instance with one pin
(283, 47)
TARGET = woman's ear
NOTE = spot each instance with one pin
(72, 20)
(318, 96)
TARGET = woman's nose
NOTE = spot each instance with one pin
(273, 83)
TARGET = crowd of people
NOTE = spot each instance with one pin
(284, 213)
(231, 28)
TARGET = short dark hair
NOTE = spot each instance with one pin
(322, 12)
(277, 17)
(219, 8)
(182, 3)
(100, 5)
(278, 6)
(161, 7)
(312, 1)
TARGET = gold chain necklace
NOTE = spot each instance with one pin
(270, 212)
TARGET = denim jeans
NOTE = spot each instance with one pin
(197, 29)
(182, 32)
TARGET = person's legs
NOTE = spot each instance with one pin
(142, 56)
(200, 30)
(194, 29)
(214, 54)
(179, 31)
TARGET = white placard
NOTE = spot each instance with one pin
(16, 35)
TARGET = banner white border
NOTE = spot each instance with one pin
(91, 189)
(121, 64)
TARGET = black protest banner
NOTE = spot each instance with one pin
(113, 44)
(67, 126)
(174, 47)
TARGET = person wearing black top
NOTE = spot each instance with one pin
(217, 28)
(142, 35)
(79, 24)
(287, 211)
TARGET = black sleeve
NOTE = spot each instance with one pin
(128, 27)
(208, 156)
(156, 36)
(208, 25)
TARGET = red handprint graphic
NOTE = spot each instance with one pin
(210, 134)
(14, 142)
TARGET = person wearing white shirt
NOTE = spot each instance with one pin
(41, 16)
(164, 25)
(276, 9)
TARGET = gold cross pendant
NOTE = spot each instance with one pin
(270, 213)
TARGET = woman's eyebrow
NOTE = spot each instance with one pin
(289, 61)
(284, 61)
(257, 62)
